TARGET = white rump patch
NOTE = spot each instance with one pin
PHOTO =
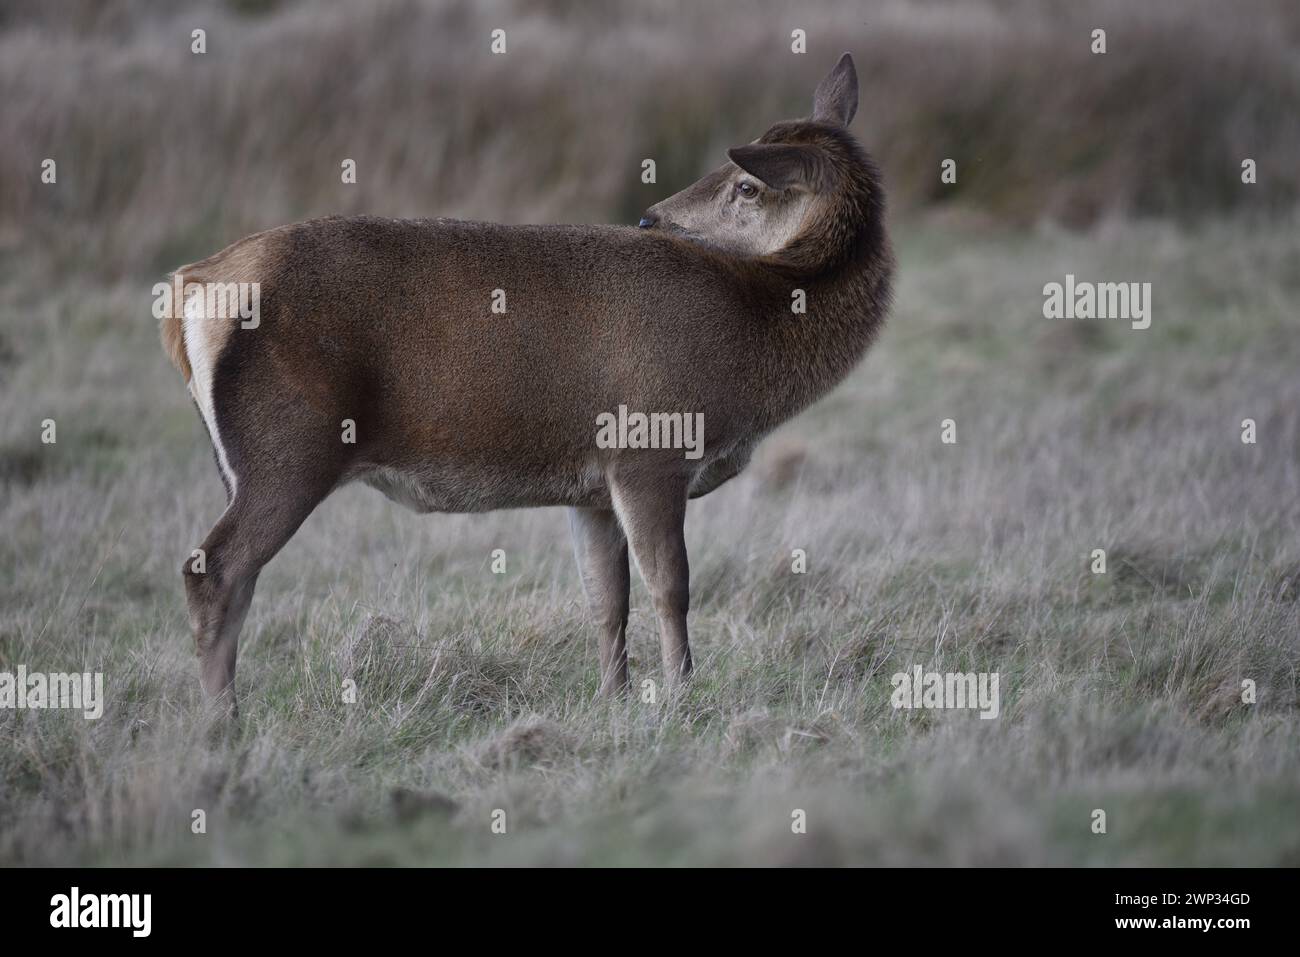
(203, 352)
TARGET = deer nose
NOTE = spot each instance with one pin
(648, 219)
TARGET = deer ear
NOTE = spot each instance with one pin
(780, 165)
(836, 99)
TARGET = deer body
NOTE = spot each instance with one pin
(378, 357)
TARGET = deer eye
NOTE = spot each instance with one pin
(747, 190)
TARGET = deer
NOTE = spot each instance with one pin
(378, 356)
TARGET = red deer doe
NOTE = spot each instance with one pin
(377, 356)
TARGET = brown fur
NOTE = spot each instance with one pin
(388, 323)
(173, 341)
(243, 261)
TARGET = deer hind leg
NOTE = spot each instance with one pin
(283, 460)
(601, 550)
(218, 597)
(256, 525)
(653, 515)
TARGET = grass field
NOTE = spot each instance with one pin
(1120, 691)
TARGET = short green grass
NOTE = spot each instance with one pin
(475, 691)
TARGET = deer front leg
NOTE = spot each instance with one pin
(601, 550)
(653, 515)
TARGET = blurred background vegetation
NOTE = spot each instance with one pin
(165, 156)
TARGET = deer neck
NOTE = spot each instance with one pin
(844, 276)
